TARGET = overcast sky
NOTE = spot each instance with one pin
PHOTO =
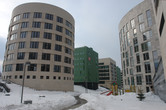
(96, 23)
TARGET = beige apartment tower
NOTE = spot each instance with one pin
(43, 35)
(139, 45)
(107, 72)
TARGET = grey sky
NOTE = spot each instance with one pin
(96, 22)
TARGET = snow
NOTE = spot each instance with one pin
(55, 100)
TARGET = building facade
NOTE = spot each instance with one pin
(107, 72)
(159, 7)
(119, 78)
(86, 67)
(139, 45)
(42, 35)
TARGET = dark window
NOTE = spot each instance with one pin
(57, 58)
(148, 79)
(41, 77)
(162, 22)
(28, 77)
(67, 70)
(33, 77)
(24, 25)
(20, 76)
(68, 24)
(59, 28)
(57, 68)
(48, 26)
(23, 34)
(147, 67)
(47, 35)
(46, 45)
(26, 15)
(21, 45)
(59, 19)
(146, 56)
(58, 38)
(68, 33)
(138, 58)
(138, 68)
(36, 24)
(146, 46)
(45, 67)
(68, 41)
(139, 79)
(54, 77)
(34, 44)
(67, 50)
(59, 77)
(35, 34)
(67, 60)
(37, 15)
(20, 55)
(19, 67)
(58, 47)
(47, 77)
(33, 55)
(45, 56)
(32, 67)
(15, 76)
(49, 16)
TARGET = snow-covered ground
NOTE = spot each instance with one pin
(55, 100)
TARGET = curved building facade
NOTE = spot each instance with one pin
(43, 35)
(139, 46)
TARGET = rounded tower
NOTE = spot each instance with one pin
(42, 35)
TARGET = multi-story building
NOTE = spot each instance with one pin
(159, 7)
(139, 45)
(119, 78)
(86, 67)
(107, 72)
(42, 35)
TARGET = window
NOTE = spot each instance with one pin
(140, 18)
(13, 36)
(146, 46)
(131, 71)
(47, 77)
(138, 68)
(135, 32)
(67, 60)
(24, 25)
(28, 77)
(49, 16)
(19, 67)
(68, 41)
(57, 68)
(11, 46)
(139, 79)
(132, 81)
(155, 59)
(8, 67)
(127, 26)
(57, 58)
(147, 35)
(149, 18)
(132, 23)
(68, 24)
(59, 19)
(48, 26)
(54, 77)
(37, 15)
(20, 76)
(131, 61)
(147, 67)
(26, 15)
(58, 38)
(15, 76)
(23, 34)
(33, 55)
(33, 77)
(34, 45)
(35, 34)
(46, 45)
(32, 67)
(41, 77)
(21, 45)
(131, 51)
(45, 56)
(36, 24)
(148, 80)
(142, 27)
(20, 55)
(68, 33)
(47, 35)
(10, 57)
(58, 47)
(138, 58)
(16, 18)
(67, 50)
(135, 42)
(162, 22)
(45, 67)
(15, 27)
(146, 56)
(59, 28)
(67, 70)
